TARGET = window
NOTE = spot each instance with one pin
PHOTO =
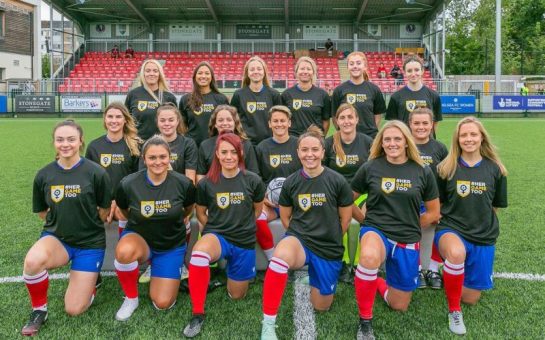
(2, 23)
(2, 73)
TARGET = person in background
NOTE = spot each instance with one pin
(129, 52)
(382, 72)
(329, 44)
(114, 52)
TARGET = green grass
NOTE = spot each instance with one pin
(512, 310)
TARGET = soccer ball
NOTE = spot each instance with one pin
(273, 190)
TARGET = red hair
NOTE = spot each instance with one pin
(215, 169)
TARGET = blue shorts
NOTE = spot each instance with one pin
(277, 211)
(240, 261)
(402, 261)
(323, 273)
(166, 264)
(83, 260)
(479, 264)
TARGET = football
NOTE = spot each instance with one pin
(273, 190)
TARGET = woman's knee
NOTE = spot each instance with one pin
(163, 302)
(76, 308)
(370, 258)
(401, 306)
(125, 253)
(34, 263)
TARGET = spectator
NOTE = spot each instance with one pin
(381, 73)
(397, 75)
(129, 52)
(524, 90)
(115, 52)
(329, 44)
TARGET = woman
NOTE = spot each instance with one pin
(224, 119)
(73, 197)
(183, 151)
(315, 208)
(144, 100)
(155, 202)
(309, 104)
(277, 157)
(396, 182)
(414, 95)
(117, 151)
(432, 153)
(229, 199)
(197, 106)
(345, 152)
(365, 96)
(472, 186)
(254, 99)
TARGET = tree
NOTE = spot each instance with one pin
(46, 66)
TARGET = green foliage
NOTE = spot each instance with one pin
(46, 66)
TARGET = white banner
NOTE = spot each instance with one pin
(320, 32)
(410, 31)
(100, 30)
(81, 103)
(116, 98)
(186, 32)
(121, 30)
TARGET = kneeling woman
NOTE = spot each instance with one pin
(229, 199)
(472, 186)
(73, 196)
(155, 202)
(316, 209)
(396, 181)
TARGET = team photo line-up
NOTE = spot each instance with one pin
(238, 165)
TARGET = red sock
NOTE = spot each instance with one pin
(199, 277)
(127, 275)
(276, 279)
(435, 256)
(121, 226)
(37, 286)
(382, 288)
(453, 279)
(264, 235)
(365, 284)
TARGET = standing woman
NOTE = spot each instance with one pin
(414, 95)
(396, 182)
(155, 201)
(183, 151)
(117, 151)
(277, 157)
(472, 186)
(144, 100)
(254, 100)
(308, 103)
(197, 106)
(315, 208)
(73, 197)
(432, 153)
(229, 199)
(224, 119)
(365, 96)
(345, 152)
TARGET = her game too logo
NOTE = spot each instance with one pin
(390, 185)
(464, 188)
(58, 192)
(225, 199)
(306, 201)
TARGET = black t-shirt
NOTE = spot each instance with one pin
(404, 101)
(230, 204)
(72, 197)
(395, 192)
(114, 157)
(183, 155)
(432, 153)
(356, 153)
(468, 199)
(253, 109)
(307, 108)
(156, 212)
(366, 98)
(143, 108)
(197, 120)
(277, 160)
(207, 151)
(315, 216)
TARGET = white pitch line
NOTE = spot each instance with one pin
(303, 312)
(60, 276)
(520, 276)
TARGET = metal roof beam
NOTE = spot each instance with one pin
(211, 9)
(287, 16)
(138, 12)
(363, 7)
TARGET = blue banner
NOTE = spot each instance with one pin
(3, 104)
(535, 103)
(458, 104)
(516, 103)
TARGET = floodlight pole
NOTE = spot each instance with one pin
(498, 46)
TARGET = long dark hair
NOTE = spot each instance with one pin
(215, 169)
(196, 99)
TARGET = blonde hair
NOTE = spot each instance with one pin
(312, 63)
(447, 167)
(130, 133)
(163, 86)
(181, 129)
(377, 150)
(239, 130)
(362, 55)
(315, 132)
(279, 108)
(246, 79)
(337, 142)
